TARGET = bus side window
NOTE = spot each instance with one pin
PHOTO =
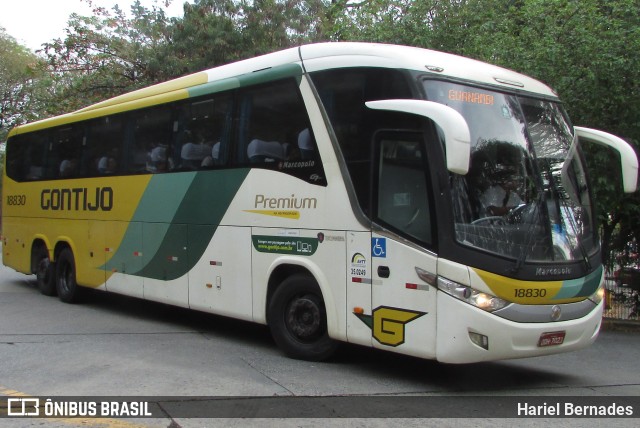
(27, 155)
(105, 136)
(272, 118)
(67, 150)
(18, 159)
(274, 132)
(151, 136)
(402, 196)
(203, 130)
(344, 93)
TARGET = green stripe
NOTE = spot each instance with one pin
(255, 78)
(163, 196)
(583, 287)
(270, 74)
(158, 204)
(179, 214)
(213, 87)
(196, 220)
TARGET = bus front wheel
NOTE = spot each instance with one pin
(66, 284)
(298, 320)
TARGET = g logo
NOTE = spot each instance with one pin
(388, 323)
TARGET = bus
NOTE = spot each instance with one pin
(385, 196)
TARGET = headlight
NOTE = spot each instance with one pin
(598, 295)
(484, 301)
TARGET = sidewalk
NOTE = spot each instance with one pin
(612, 324)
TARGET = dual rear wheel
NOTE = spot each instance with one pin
(66, 285)
(57, 278)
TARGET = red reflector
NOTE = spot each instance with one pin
(356, 279)
(412, 286)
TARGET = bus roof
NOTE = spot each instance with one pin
(320, 56)
(347, 54)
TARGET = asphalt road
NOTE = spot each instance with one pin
(111, 345)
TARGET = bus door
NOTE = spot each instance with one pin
(403, 304)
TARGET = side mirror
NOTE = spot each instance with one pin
(628, 157)
(457, 138)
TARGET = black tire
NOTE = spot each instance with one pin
(298, 320)
(66, 285)
(45, 271)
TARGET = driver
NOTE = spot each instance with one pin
(501, 197)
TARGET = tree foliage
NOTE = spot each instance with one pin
(112, 52)
(587, 50)
(107, 54)
(21, 91)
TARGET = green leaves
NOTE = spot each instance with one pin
(21, 89)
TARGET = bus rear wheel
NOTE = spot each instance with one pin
(45, 272)
(66, 285)
(298, 320)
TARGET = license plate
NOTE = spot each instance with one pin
(551, 339)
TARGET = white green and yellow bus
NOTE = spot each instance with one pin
(386, 196)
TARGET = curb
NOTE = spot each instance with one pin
(611, 324)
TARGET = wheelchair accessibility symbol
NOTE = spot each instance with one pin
(379, 247)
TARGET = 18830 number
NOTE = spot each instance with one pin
(16, 199)
(530, 292)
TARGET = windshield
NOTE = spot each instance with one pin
(526, 195)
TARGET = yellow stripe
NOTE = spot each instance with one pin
(173, 90)
(152, 91)
(523, 292)
(291, 214)
(12, 392)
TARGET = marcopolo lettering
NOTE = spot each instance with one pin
(298, 164)
(77, 199)
(548, 271)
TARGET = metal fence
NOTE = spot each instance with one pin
(621, 302)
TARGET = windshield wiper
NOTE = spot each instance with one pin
(533, 215)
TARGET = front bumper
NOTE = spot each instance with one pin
(506, 339)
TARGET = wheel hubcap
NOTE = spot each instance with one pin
(303, 318)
